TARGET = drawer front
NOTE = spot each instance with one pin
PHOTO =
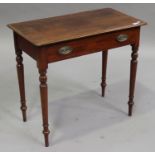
(93, 44)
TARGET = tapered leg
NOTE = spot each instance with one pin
(104, 68)
(20, 73)
(133, 70)
(44, 103)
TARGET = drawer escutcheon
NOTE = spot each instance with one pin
(65, 50)
(122, 37)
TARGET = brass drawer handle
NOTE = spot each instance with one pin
(122, 37)
(65, 50)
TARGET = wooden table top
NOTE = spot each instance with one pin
(74, 26)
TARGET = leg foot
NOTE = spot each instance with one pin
(130, 109)
(46, 133)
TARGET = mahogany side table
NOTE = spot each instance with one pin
(58, 38)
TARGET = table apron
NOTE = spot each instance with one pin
(79, 47)
(91, 44)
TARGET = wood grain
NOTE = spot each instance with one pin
(74, 26)
(90, 45)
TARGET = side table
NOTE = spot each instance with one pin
(58, 38)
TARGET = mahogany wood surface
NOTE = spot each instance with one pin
(44, 103)
(20, 74)
(133, 70)
(64, 37)
(104, 69)
(62, 28)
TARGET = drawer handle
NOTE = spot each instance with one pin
(122, 37)
(65, 50)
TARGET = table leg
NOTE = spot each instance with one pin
(44, 103)
(133, 70)
(20, 73)
(104, 68)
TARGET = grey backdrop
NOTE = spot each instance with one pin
(80, 120)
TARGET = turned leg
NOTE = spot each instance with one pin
(104, 68)
(44, 103)
(20, 73)
(133, 70)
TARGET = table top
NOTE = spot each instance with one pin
(74, 26)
